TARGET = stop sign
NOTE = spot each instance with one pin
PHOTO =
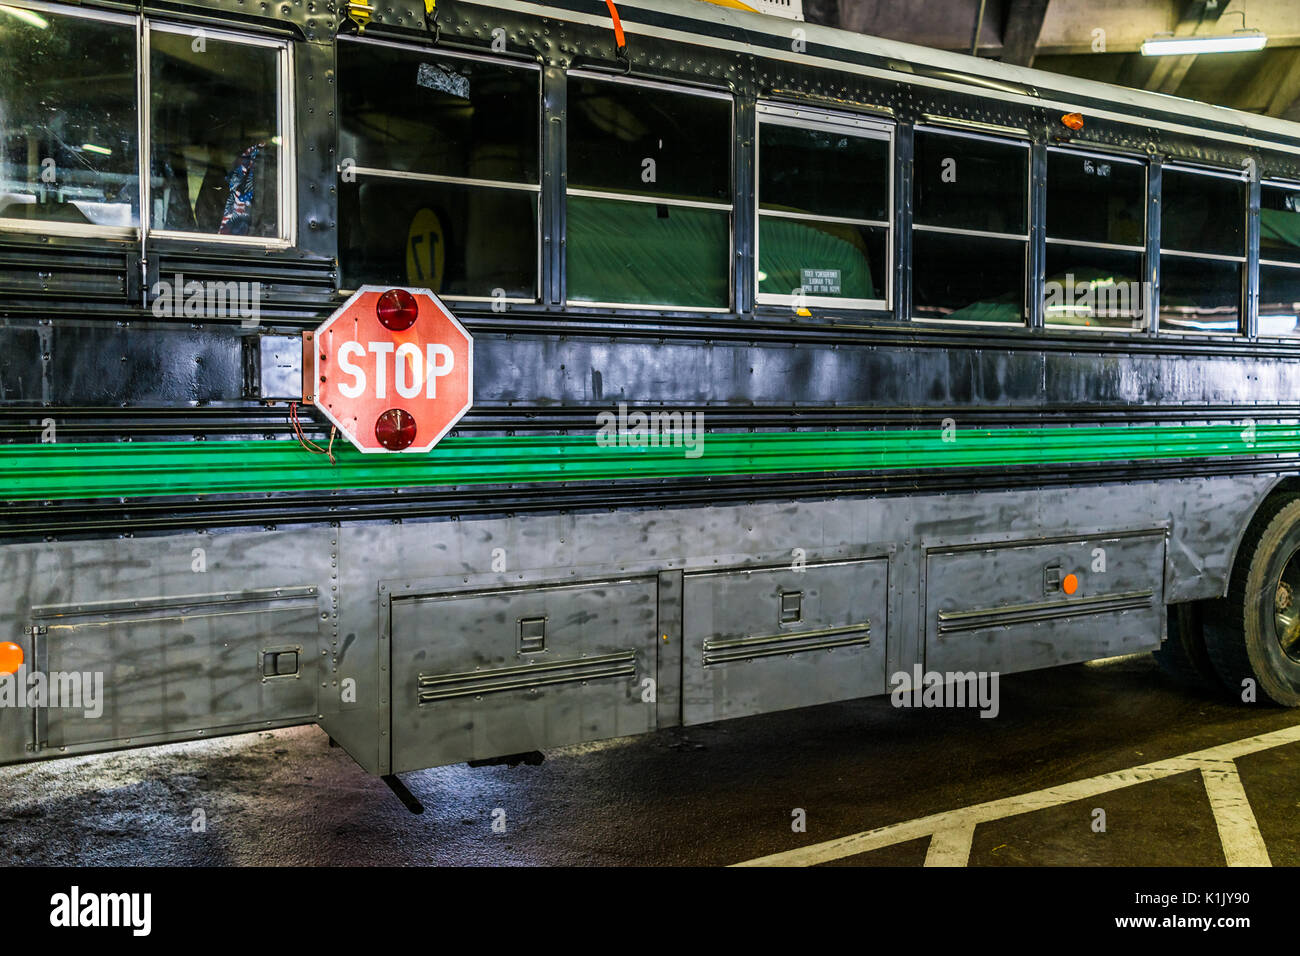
(394, 369)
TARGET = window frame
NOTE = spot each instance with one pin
(1293, 186)
(1142, 250)
(286, 179)
(81, 230)
(852, 124)
(144, 26)
(536, 189)
(729, 208)
(1243, 261)
(1007, 137)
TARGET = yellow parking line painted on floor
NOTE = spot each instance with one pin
(1231, 809)
(950, 846)
(1243, 844)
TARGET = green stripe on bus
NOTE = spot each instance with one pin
(129, 469)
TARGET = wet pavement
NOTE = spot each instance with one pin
(717, 794)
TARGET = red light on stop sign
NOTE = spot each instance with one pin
(397, 310)
(395, 429)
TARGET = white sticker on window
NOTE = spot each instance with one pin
(821, 281)
(435, 79)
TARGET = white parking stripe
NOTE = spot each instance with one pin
(1211, 761)
(950, 846)
(1243, 845)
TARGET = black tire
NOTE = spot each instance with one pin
(1183, 656)
(1243, 633)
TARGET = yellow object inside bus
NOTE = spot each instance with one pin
(734, 4)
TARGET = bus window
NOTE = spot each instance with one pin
(439, 159)
(216, 125)
(649, 195)
(1279, 259)
(1096, 239)
(824, 188)
(69, 159)
(1202, 250)
(970, 238)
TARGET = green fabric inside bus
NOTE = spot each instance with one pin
(638, 253)
(1278, 227)
(788, 247)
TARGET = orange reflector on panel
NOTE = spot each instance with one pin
(1070, 584)
(11, 657)
(1073, 120)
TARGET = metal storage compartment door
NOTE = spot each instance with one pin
(489, 673)
(767, 639)
(172, 667)
(1013, 606)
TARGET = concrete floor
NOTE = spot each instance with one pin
(717, 794)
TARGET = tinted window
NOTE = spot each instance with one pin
(418, 112)
(823, 172)
(665, 150)
(966, 183)
(1279, 223)
(1279, 300)
(1091, 199)
(1201, 213)
(215, 134)
(408, 114)
(955, 277)
(1087, 287)
(647, 254)
(456, 240)
(823, 259)
(648, 140)
(1199, 295)
(68, 141)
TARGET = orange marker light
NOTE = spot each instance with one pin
(11, 657)
(1073, 120)
(1070, 584)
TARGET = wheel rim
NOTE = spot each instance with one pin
(1286, 608)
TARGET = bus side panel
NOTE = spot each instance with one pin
(157, 639)
(1009, 606)
(409, 633)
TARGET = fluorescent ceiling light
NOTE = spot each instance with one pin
(27, 16)
(1242, 42)
(92, 148)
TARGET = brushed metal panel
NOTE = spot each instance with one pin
(1003, 607)
(467, 686)
(178, 665)
(743, 655)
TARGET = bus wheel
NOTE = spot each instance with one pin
(1183, 655)
(1253, 634)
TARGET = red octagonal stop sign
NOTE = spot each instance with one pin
(394, 369)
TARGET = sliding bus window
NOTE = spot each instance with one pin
(824, 201)
(439, 159)
(217, 131)
(649, 195)
(1202, 250)
(970, 235)
(69, 154)
(1096, 241)
(1279, 259)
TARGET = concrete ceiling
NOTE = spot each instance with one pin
(1100, 40)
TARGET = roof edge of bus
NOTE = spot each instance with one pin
(1046, 85)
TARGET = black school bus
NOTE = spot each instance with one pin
(805, 362)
